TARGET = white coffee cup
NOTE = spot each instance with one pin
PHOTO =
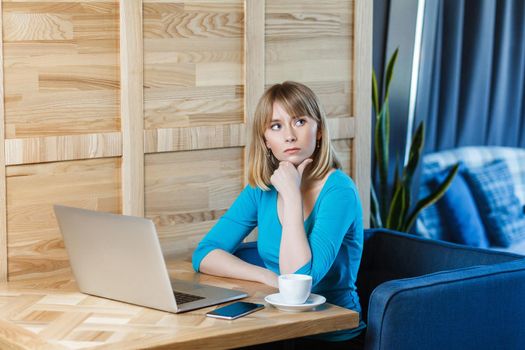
(295, 288)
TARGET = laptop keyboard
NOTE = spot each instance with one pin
(183, 298)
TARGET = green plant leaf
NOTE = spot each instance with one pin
(433, 197)
(374, 208)
(396, 172)
(386, 154)
(382, 154)
(389, 73)
(375, 94)
(378, 145)
(397, 209)
(386, 135)
(416, 147)
(407, 202)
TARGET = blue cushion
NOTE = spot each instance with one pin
(459, 212)
(429, 223)
(499, 207)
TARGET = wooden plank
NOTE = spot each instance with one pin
(254, 65)
(341, 128)
(132, 107)
(3, 200)
(60, 148)
(54, 2)
(202, 137)
(362, 58)
(343, 147)
(218, 136)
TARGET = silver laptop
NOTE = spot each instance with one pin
(119, 257)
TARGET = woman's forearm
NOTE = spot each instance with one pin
(294, 250)
(223, 264)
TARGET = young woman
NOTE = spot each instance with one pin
(307, 210)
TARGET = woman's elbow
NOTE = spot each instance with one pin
(311, 271)
(195, 262)
(306, 269)
(208, 260)
(198, 258)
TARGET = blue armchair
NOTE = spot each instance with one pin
(418, 293)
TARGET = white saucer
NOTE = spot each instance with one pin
(312, 301)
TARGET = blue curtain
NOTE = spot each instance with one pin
(471, 87)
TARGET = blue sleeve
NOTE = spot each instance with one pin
(337, 213)
(231, 228)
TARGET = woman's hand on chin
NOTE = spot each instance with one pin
(287, 178)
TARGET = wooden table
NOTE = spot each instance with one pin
(53, 314)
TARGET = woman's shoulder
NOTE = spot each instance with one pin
(340, 188)
(256, 192)
(338, 179)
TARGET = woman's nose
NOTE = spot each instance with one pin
(289, 134)
(290, 137)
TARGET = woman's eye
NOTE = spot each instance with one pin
(300, 122)
(275, 126)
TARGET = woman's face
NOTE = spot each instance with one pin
(291, 139)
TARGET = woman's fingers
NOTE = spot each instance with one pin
(303, 165)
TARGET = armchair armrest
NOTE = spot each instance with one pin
(390, 255)
(477, 307)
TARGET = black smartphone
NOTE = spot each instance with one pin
(235, 310)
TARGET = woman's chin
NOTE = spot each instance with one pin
(295, 160)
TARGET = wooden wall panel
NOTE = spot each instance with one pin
(62, 102)
(311, 42)
(35, 246)
(254, 66)
(132, 107)
(363, 105)
(344, 151)
(327, 45)
(61, 66)
(186, 192)
(193, 63)
(205, 63)
(194, 104)
(3, 218)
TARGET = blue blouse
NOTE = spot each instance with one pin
(334, 230)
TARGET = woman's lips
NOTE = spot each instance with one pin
(292, 150)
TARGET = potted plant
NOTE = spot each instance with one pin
(391, 207)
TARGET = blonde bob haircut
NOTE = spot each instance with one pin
(298, 101)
